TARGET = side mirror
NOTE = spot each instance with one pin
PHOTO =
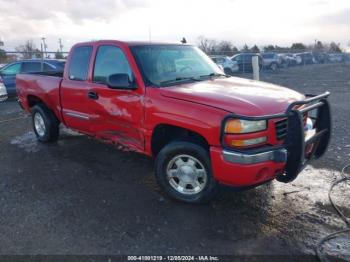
(120, 81)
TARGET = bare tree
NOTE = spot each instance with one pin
(206, 45)
(3, 56)
(334, 48)
(226, 48)
(28, 50)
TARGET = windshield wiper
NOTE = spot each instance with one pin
(215, 75)
(179, 79)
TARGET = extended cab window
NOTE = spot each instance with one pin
(110, 60)
(79, 63)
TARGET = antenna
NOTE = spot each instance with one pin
(150, 33)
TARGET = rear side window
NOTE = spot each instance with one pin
(28, 67)
(79, 63)
(110, 60)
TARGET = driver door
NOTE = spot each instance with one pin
(118, 113)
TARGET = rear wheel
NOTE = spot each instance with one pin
(183, 170)
(45, 124)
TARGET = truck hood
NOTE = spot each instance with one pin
(236, 95)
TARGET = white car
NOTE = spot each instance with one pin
(3, 92)
(226, 63)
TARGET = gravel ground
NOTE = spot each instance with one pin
(81, 196)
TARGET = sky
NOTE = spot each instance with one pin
(249, 22)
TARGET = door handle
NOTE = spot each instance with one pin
(92, 95)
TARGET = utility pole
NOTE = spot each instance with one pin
(44, 45)
(60, 44)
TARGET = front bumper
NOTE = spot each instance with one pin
(278, 156)
(286, 161)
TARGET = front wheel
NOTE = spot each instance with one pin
(183, 171)
(274, 67)
(228, 71)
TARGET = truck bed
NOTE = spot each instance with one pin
(43, 86)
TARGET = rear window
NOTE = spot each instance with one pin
(247, 58)
(79, 63)
(28, 67)
(268, 55)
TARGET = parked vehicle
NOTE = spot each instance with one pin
(244, 61)
(226, 63)
(288, 60)
(320, 57)
(172, 102)
(3, 92)
(271, 61)
(335, 58)
(306, 58)
(2, 65)
(8, 73)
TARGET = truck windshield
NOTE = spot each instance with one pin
(165, 65)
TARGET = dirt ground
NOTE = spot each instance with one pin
(81, 196)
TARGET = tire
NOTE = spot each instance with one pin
(274, 67)
(228, 71)
(167, 162)
(45, 124)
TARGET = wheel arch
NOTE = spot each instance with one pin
(163, 134)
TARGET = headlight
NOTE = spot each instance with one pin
(239, 126)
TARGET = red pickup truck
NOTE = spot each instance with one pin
(171, 102)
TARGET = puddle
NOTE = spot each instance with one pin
(27, 141)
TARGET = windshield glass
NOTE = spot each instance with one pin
(268, 55)
(163, 65)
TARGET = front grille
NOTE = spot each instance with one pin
(282, 126)
(281, 129)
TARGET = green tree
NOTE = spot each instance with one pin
(269, 48)
(245, 48)
(298, 46)
(255, 49)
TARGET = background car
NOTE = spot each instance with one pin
(288, 59)
(8, 73)
(226, 63)
(3, 92)
(306, 58)
(271, 61)
(320, 57)
(336, 58)
(244, 61)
